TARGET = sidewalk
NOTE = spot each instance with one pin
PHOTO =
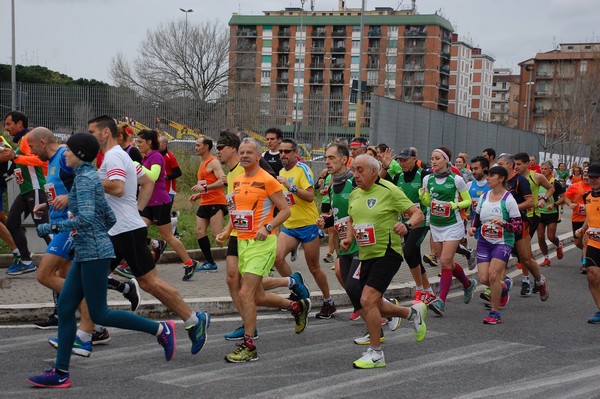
(24, 300)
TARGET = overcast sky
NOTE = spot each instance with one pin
(80, 37)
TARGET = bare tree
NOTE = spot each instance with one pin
(175, 60)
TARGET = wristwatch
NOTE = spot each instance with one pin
(408, 226)
(293, 189)
(54, 228)
(268, 227)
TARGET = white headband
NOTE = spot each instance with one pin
(443, 154)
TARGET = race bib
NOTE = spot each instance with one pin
(364, 234)
(440, 208)
(19, 176)
(341, 227)
(243, 220)
(491, 230)
(289, 197)
(230, 202)
(581, 210)
(594, 234)
(50, 192)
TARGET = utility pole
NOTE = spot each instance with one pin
(360, 62)
(297, 74)
(13, 77)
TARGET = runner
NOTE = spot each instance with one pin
(255, 195)
(591, 227)
(550, 214)
(373, 210)
(574, 198)
(519, 187)
(297, 181)
(440, 192)
(497, 219)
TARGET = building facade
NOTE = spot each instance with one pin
(505, 98)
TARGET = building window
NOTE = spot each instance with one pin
(266, 59)
(267, 43)
(355, 60)
(583, 67)
(266, 74)
(393, 43)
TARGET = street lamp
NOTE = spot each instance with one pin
(360, 58)
(297, 74)
(528, 99)
(13, 77)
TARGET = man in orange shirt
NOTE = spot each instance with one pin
(574, 199)
(591, 227)
(213, 205)
(255, 196)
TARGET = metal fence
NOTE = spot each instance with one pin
(402, 125)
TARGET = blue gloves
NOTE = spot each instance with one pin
(44, 229)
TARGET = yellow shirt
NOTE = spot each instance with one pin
(303, 213)
(233, 173)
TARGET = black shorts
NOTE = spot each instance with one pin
(158, 214)
(534, 222)
(378, 273)
(208, 211)
(132, 246)
(348, 265)
(576, 226)
(232, 247)
(549, 218)
(592, 257)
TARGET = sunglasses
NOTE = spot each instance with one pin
(221, 146)
(285, 151)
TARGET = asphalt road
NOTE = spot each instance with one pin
(542, 350)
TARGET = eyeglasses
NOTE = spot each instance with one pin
(221, 146)
(285, 151)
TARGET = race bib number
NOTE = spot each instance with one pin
(440, 208)
(581, 210)
(243, 220)
(203, 184)
(230, 203)
(341, 227)
(491, 230)
(50, 192)
(19, 176)
(594, 234)
(356, 274)
(289, 197)
(364, 234)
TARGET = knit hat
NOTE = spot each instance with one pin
(85, 146)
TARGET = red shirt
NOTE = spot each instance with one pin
(535, 168)
(170, 164)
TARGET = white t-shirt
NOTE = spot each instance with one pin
(117, 165)
(490, 210)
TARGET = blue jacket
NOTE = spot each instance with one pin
(92, 216)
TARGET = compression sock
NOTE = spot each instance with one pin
(445, 282)
(204, 244)
(459, 273)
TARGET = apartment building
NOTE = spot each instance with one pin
(303, 65)
(505, 98)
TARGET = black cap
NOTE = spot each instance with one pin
(593, 170)
(406, 153)
(85, 146)
(498, 170)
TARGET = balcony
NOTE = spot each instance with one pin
(338, 49)
(446, 36)
(416, 33)
(412, 82)
(337, 80)
(317, 65)
(246, 33)
(283, 80)
(443, 102)
(373, 50)
(444, 86)
(541, 111)
(544, 75)
(412, 98)
(246, 48)
(283, 64)
(318, 80)
(542, 93)
(446, 56)
(284, 32)
(373, 65)
(318, 50)
(318, 33)
(413, 67)
(414, 50)
(445, 69)
(338, 33)
(337, 65)
(284, 48)
(374, 32)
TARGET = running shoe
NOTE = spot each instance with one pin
(595, 319)
(505, 296)
(366, 339)
(18, 268)
(242, 354)
(167, 339)
(355, 316)
(301, 318)
(370, 359)
(333, 267)
(486, 294)
(419, 321)
(238, 334)
(327, 311)
(299, 289)
(543, 289)
(471, 258)
(100, 337)
(519, 266)
(158, 250)
(294, 255)
(197, 333)
(49, 323)
(535, 289)
(418, 297)
(188, 271)
(328, 258)
(546, 262)
(124, 270)
(493, 318)
(438, 307)
(468, 292)
(210, 267)
(429, 297)
(525, 288)
(393, 323)
(582, 269)
(80, 348)
(134, 294)
(50, 379)
(559, 251)
(431, 260)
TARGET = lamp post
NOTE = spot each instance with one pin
(13, 77)
(360, 58)
(297, 74)
(528, 99)
(186, 32)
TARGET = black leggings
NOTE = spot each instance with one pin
(20, 209)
